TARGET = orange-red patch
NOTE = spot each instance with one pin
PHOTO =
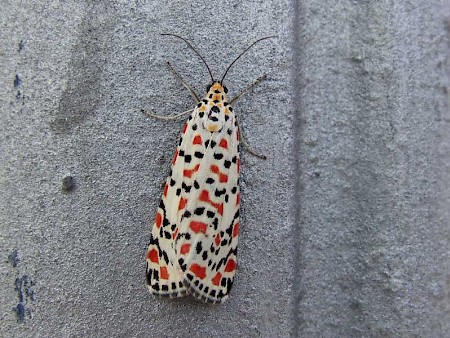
(197, 140)
(220, 209)
(175, 157)
(182, 203)
(236, 229)
(175, 234)
(204, 196)
(163, 273)
(223, 143)
(189, 172)
(185, 249)
(214, 169)
(216, 279)
(152, 255)
(238, 199)
(217, 240)
(184, 128)
(223, 178)
(198, 227)
(166, 187)
(231, 266)
(158, 220)
(198, 270)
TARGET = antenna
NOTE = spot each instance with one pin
(267, 37)
(188, 43)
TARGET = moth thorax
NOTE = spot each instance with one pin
(214, 119)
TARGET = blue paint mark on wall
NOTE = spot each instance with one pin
(24, 287)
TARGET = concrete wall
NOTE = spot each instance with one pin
(346, 225)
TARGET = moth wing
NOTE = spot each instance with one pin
(164, 277)
(206, 244)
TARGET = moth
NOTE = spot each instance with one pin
(193, 243)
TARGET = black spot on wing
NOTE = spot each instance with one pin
(198, 154)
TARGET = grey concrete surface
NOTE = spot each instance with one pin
(346, 225)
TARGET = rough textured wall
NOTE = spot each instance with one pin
(372, 226)
(346, 225)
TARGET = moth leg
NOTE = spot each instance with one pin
(184, 83)
(258, 80)
(247, 146)
(188, 87)
(162, 117)
(242, 139)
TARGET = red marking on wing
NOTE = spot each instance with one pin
(236, 229)
(231, 266)
(182, 203)
(158, 220)
(216, 279)
(152, 255)
(237, 135)
(204, 197)
(220, 209)
(184, 128)
(223, 143)
(197, 140)
(238, 163)
(185, 249)
(214, 169)
(166, 187)
(238, 199)
(175, 157)
(163, 273)
(222, 177)
(175, 234)
(198, 227)
(189, 172)
(198, 270)
(217, 240)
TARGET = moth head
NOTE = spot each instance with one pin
(217, 86)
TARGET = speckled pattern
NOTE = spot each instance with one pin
(193, 243)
